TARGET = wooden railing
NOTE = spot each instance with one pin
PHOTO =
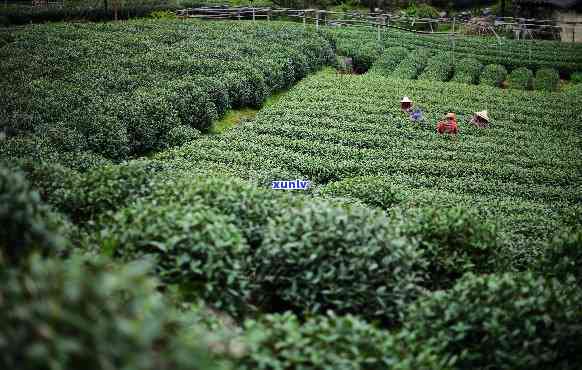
(521, 27)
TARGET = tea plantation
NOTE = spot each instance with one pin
(135, 237)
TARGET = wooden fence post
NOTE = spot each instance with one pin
(317, 20)
(253, 13)
(378, 28)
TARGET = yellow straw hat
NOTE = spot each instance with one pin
(483, 114)
(451, 115)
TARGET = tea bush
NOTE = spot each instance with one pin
(508, 321)
(467, 71)
(439, 68)
(576, 77)
(144, 83)
(455, 241)
(493, 75)
(320, 257)
(39, 149)
(250, 206)
(330, 129)
(563, 257)
(194, 107)
(520, 78)
(546, 79)
(363, 55)
(513, 54)
(27, 224)
(413, 65)
(325, 342)
(389, 60)
(108, 188)
(373, 191)
(192, 246)
(86, 314)
(51, 180)
(180, 135)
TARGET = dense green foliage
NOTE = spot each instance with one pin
(389, 60)
(27, 224)
(318, 258)
(192, 246)
(512, 54)
(182, 134)
(108, 188)
(576, 77)
(330, 129)
(547, 79)
(149, 79)
(500, 321)
(520, 78)
(413, 65)
(363, 54)
(493, 75)
(408, 251)
(563, 257)
(439, 68)
(375, 191)
(467, 71)
(82, 314)
(250, 207)
(455, 241)
(326, 342)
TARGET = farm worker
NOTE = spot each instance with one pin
(406, 104)
(449, 126)
(480, 119)
(416, 115)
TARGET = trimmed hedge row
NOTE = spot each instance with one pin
(503, 321)
(493, 75)
(192, 246)
(83, 313)
(454, 240)
(325, 342)
(150, 78)
(546, 79)
(330, 131)
(363, 55)
(27, 224)
(563, 257)
(374, 191)
(413, 65)
(521, 79)
(467, 71)
(389, 60)
(566, 58)
(439, 68)
(319, 257)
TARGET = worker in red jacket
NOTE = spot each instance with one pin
(449, 126)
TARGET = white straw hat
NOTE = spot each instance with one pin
(483, 114)
(406, 99)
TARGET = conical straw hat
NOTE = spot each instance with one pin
(406, 99)
(483, 114)
(452, 115)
